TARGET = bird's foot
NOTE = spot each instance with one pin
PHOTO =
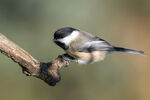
(68, 59)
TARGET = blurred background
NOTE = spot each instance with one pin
(121, 76)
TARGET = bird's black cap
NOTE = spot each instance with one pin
(63, 32)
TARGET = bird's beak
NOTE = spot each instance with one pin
(54, 40)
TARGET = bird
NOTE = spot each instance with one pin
(84, 48)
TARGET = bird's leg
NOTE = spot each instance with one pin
(68, 58)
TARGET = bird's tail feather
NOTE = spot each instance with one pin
(120, 49)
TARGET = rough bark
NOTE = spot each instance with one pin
(49, 72)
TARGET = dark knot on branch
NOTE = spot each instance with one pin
(49, 72)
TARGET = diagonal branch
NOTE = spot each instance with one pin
(49, 72)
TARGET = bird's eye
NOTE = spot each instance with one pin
(59, 36)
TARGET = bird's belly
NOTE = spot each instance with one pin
(86, 58)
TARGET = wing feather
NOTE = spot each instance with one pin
(97, 45)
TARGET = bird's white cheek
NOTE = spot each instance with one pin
(67, 40)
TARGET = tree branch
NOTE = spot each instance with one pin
(49, 72)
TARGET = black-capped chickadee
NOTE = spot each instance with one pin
(84, 48)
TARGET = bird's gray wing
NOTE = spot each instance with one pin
(96, 45)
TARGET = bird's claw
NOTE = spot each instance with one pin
(67, 60)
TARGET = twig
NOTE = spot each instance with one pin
(49, 72)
